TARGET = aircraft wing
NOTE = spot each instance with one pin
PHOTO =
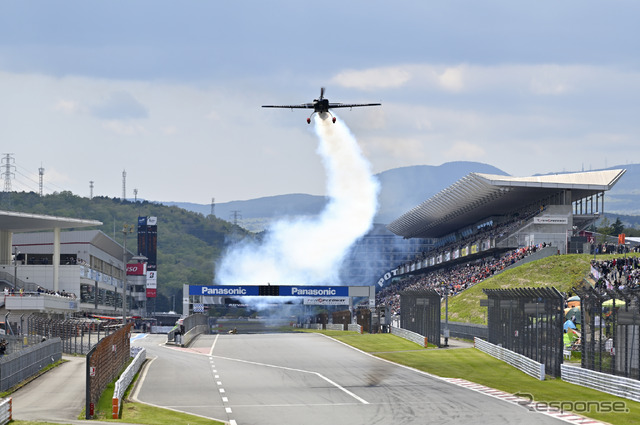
(301, 106)
(351, 105)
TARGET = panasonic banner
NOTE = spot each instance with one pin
(314, 291)
(224, 291)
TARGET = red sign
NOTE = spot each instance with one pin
(137, 269)
(151, 293)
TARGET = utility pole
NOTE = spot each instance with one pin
(41, 175)
(124, 185)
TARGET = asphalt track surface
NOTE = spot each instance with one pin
(280, 379)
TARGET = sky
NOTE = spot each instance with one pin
(171, 92)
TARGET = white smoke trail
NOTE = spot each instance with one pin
(310, 251)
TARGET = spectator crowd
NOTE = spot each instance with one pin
(451, 280)
(616, 274)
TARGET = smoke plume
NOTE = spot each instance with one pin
(310, 251)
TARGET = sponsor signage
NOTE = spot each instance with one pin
(326, 301)
(254, 290)
(314, 291)
(550, 220)
(136, 269)
(224, 290)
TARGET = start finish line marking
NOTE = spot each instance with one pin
(341, 388)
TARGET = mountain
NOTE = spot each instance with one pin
(400, 190)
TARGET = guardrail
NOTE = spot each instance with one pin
(354, 328)
(335, 327)
(125, 380)
(525, 364)
(616, 385)
(6, 408)
(409, 335)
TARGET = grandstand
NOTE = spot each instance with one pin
(483, 221)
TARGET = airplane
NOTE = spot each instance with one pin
(321, 106)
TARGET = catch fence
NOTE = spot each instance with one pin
(610, 330)
(528, 321)
(420, 313)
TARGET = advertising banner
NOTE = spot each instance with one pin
(223, 290)
(136, 269)
(326, 301)
(314, 291)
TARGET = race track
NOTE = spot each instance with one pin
(280, 379)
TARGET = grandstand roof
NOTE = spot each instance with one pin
(478, 196)
(23, 222)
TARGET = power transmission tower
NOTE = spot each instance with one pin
(124, 185)
(135, 195)
(91, 189)
(41, 175)
(236, 216)
(7, 162)
(213, 206)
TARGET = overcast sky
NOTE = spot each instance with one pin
(171, 91)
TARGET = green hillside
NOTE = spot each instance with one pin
(188, 243)
(561, 271)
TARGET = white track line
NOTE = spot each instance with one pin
(341, 388)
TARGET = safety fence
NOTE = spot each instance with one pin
(125, 380)
(77, 335)
(6, 410)
(466, 330)
(525, 364)
(409, 335)
(20, 365)
(105, 361)
(607, 383)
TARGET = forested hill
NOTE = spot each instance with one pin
(188, 242)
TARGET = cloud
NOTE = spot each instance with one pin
(125, 128)
(375, 78)
(465, 151)
(67, 106)
(500, 79)
(120, 105)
